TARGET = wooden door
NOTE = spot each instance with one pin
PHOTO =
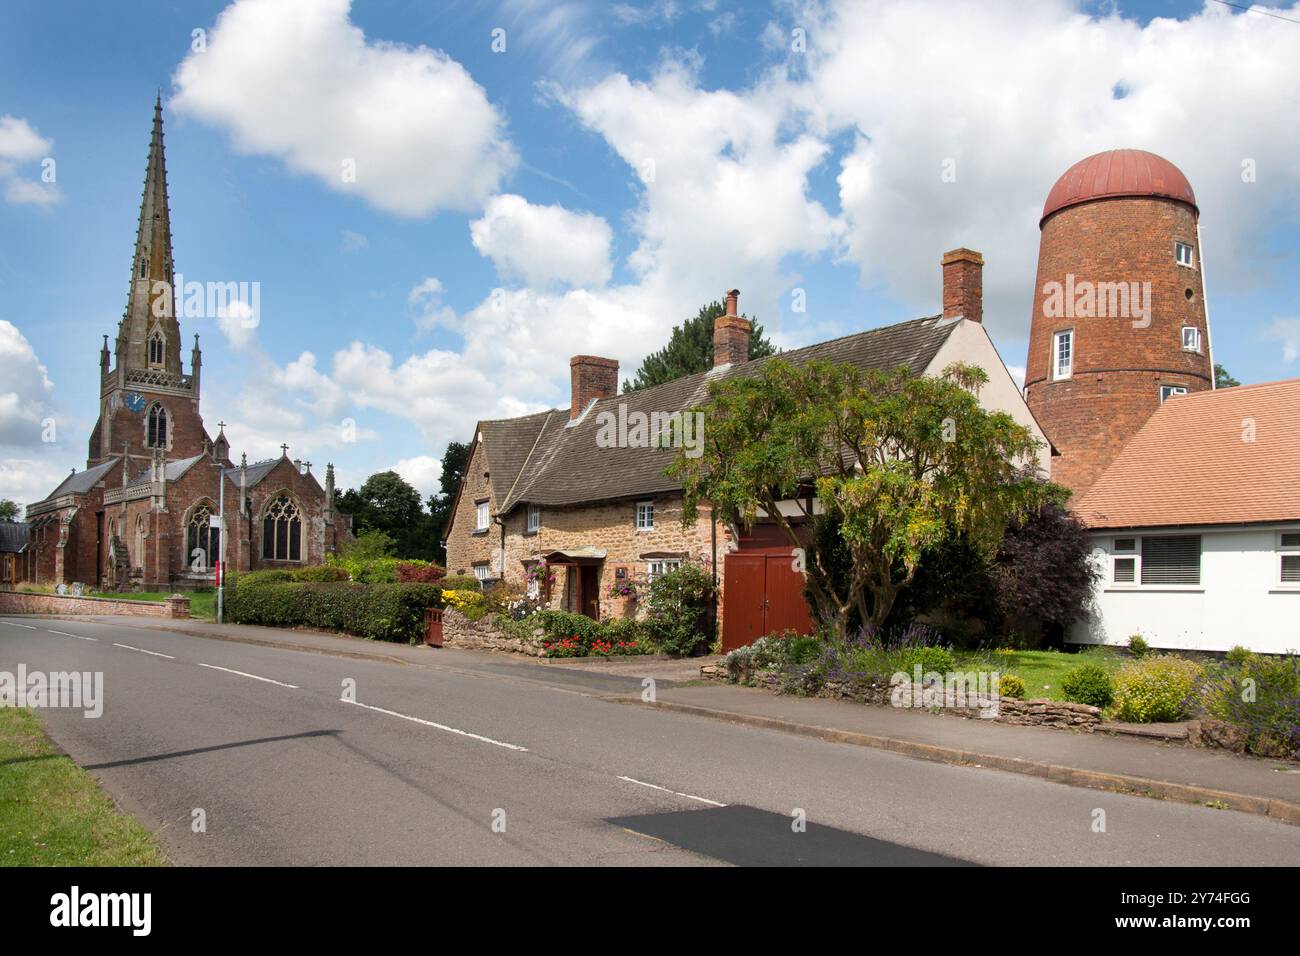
(786, 606)
(743, 590)
(589, 588)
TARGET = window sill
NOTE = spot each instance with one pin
(1155, 588)
(478, 532)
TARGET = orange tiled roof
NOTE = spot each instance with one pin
(1194, 463)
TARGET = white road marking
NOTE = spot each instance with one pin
(12, 624)
(688, 796)
(436, 726)
(66, 634)
(143, 651)
(254, 676)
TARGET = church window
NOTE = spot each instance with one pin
(142, 268)
(200, 536)
(157, 433)
(282, 531)
(156, 349)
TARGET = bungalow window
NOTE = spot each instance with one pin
(1191, 338)
(1183, 255)
(534, 519)
(662, 566)
(1124, 563)
(1289, 557)
(1063, 354)
(645, 515)
(1171, 559)
(481, 516)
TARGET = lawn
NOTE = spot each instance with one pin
(1042, 670)
(53, 813)
(203, 604)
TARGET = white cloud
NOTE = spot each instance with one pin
(238, 323)
(426, 298)
(543, 244)
(1286, 331)
(21, 143)
(915, 83)
(296, 79)
(354, 241)
(25, 390)
(27, 480)
(422, 472)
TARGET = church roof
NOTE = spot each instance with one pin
(81, 482)
(255, 472)
(172, 470)
(14, 535)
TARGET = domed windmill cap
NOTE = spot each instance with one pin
(1116, 173)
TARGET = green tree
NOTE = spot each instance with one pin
(8, 509)
(1223, 378)
(454, 462)
(903, 462)
(690, 350)
(386, 502)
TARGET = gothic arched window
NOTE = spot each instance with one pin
(202, 537)
(282, 531)
(142, 268)
(157, 433)
(156, 349)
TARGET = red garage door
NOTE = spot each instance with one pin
(762, 593)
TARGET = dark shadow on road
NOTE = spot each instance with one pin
(215, 747)
(748, 836)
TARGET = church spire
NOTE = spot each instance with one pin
(150, 306)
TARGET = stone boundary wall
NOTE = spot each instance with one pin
(1041, 712)
(28, 602)
(460, 631)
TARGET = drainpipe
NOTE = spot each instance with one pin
(713, 541)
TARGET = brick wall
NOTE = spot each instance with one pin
(1118, 367)
(21, 602)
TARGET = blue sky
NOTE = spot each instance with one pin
(586, 188)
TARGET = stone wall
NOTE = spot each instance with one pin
(460, 631)
(23, 602)
(1041, 712)
(466, 546)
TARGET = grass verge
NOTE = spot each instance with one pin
(53, 813)
(1042, 671)
(203, 604)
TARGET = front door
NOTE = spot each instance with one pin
(589, 591)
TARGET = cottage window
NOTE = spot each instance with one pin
(1183, 254)
(156, 436)
(1191, 338)
(1289, 557)
(282, 531)
(645, 515)
(201, 536)
(534, 518)
(662, 566)
(481, 516)
(1063, 354)
(1171, 559)
(482, 572)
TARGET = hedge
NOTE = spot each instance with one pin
(383, 612)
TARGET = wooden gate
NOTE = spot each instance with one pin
(762, 593)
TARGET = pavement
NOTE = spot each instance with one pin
(368, 754)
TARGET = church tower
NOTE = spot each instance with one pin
(1120, 322)
(147, 403)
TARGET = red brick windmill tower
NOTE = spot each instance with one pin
(1120, 322)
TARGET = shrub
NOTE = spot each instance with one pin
(1138, 646)
(1009, 685)
(470, 603)
(321, 572)
(462, 582)
(929, 659)
(386, 612)
(1089, 684)
(1259, 694)
(419, 572)
(678, 614)
(1154, 689)
(557, 625)
(740, 663)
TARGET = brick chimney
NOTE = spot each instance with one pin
(730, 335)
(963, 285)
(590, 377)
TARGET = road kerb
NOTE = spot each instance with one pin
(1281, 810)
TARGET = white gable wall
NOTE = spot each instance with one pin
(1240, 599)
(970, 343)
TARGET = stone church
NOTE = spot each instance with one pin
(141, 514)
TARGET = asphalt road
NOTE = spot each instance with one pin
(472, 766)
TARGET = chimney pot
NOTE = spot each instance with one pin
(730, 335)
(963, 285)
(590, 376)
